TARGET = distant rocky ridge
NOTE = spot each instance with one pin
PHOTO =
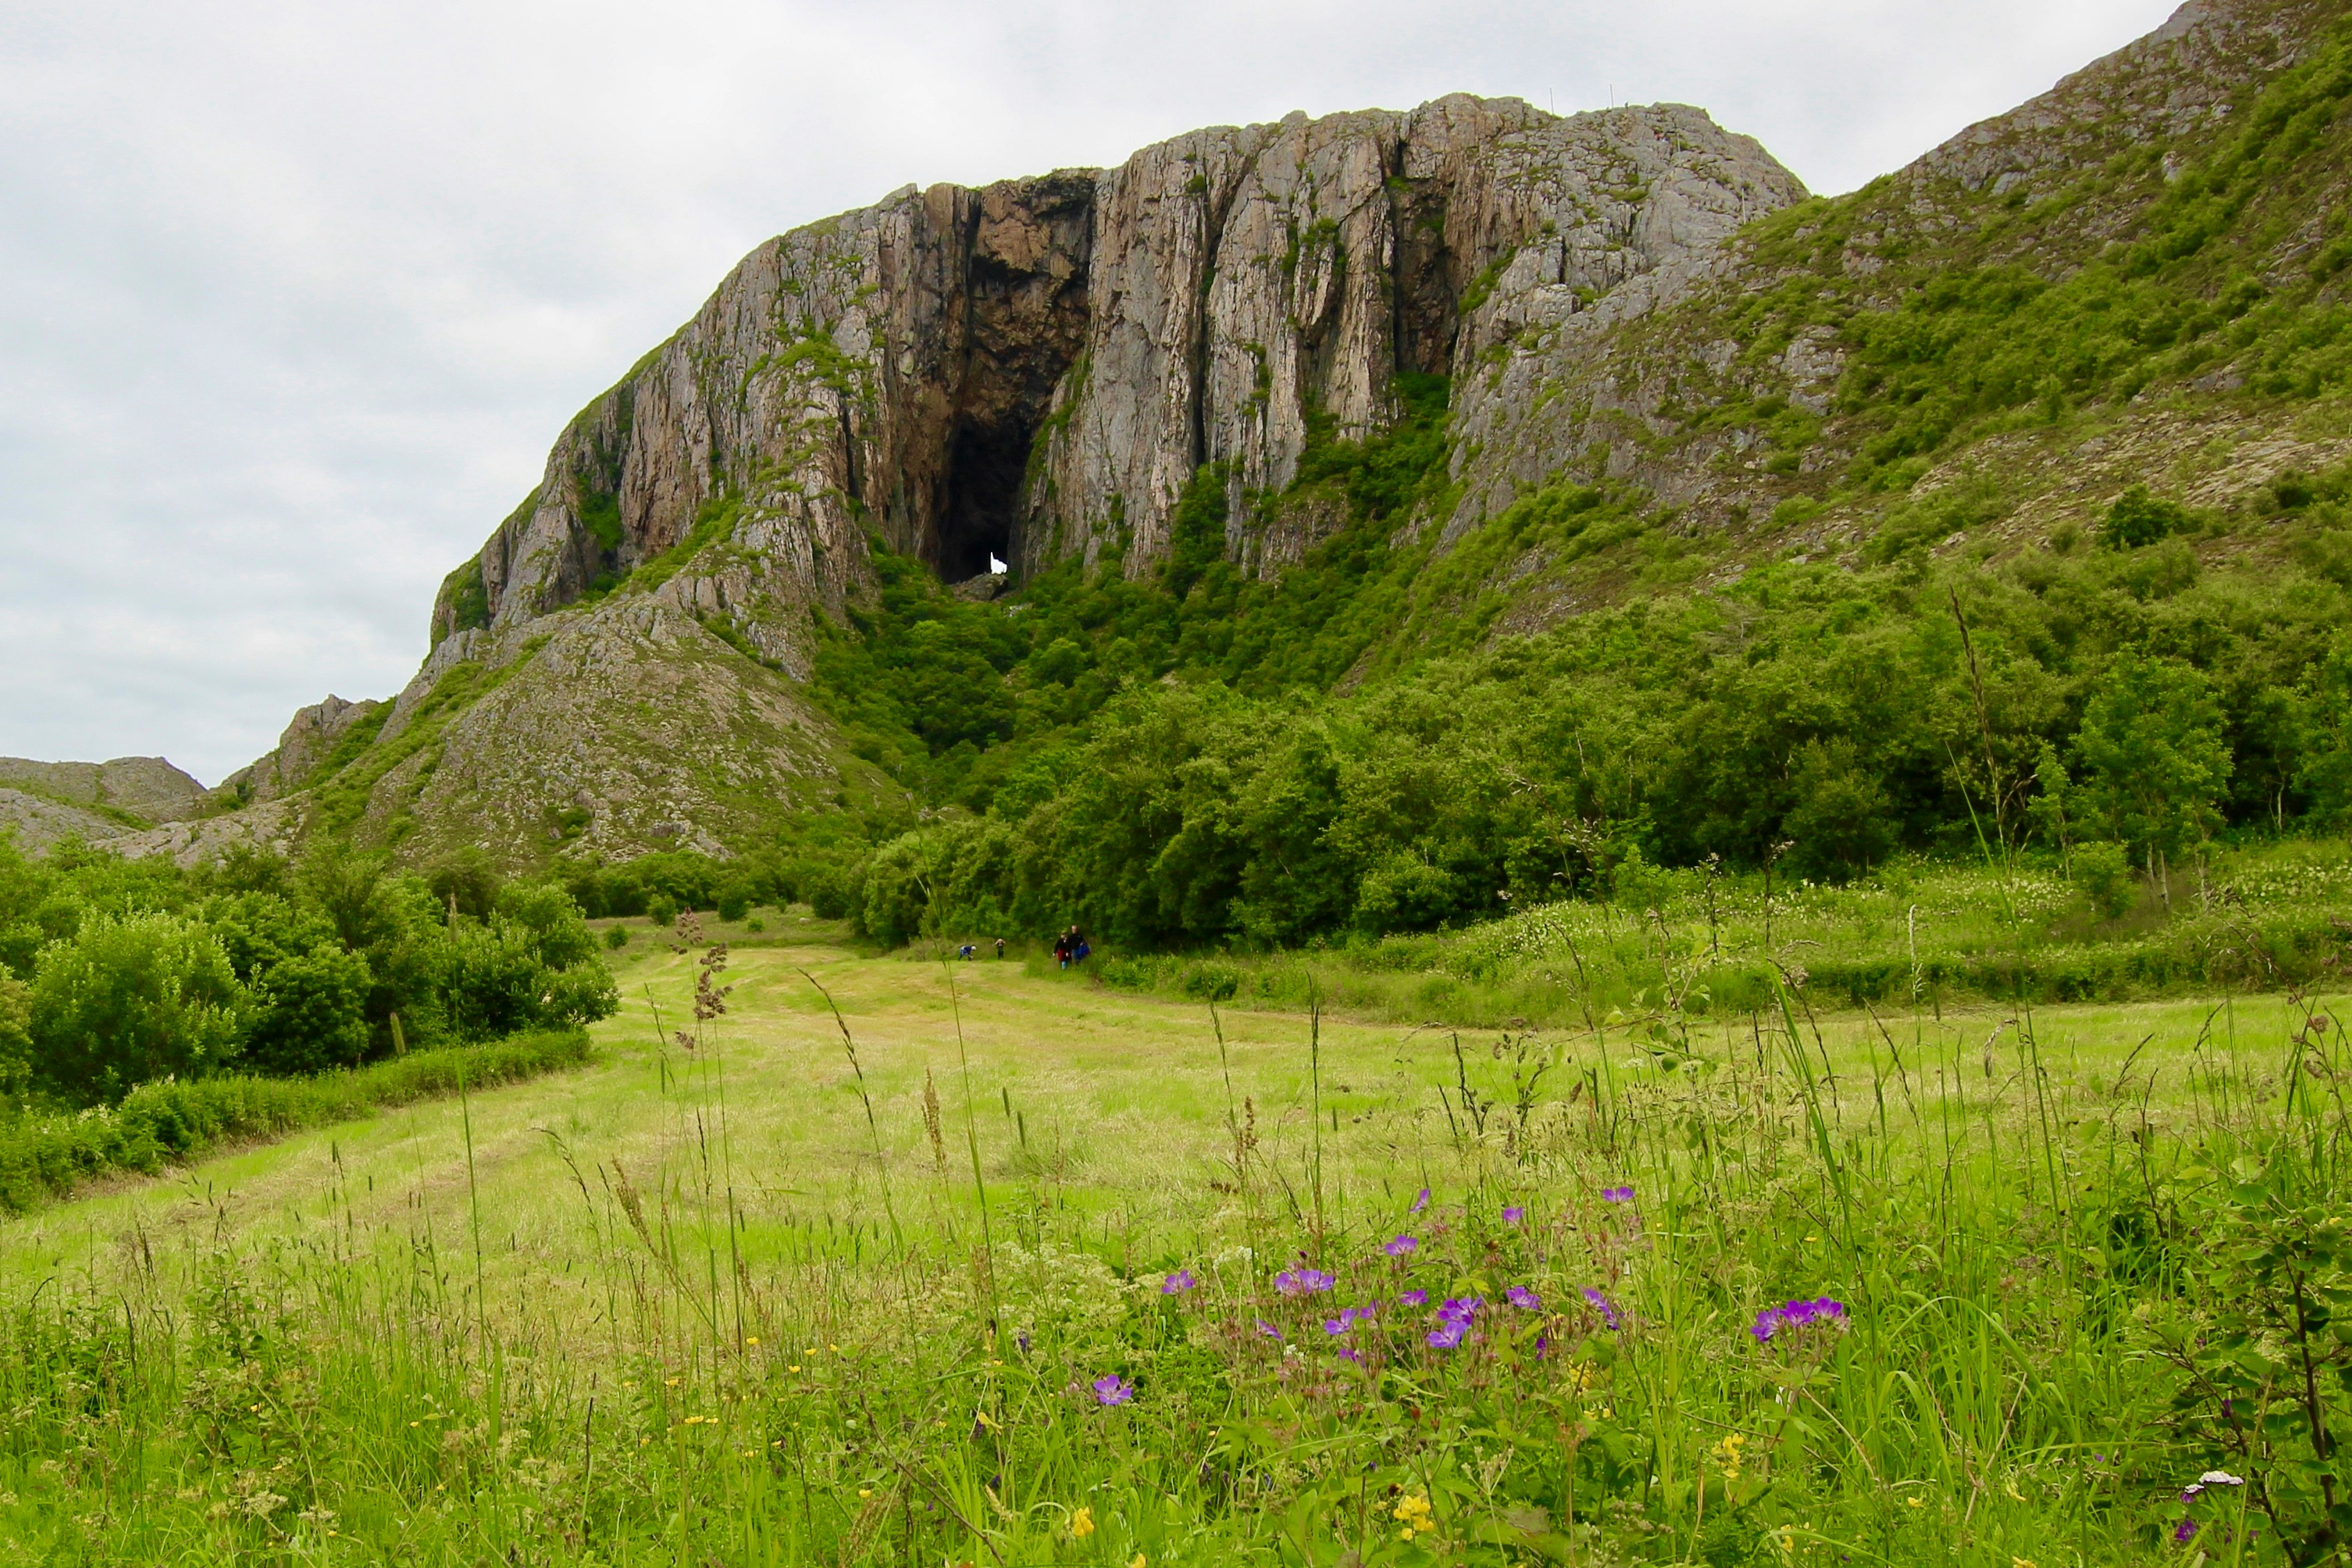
(45, 802)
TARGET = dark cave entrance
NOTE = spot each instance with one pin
(1024, 323)
(987, 460)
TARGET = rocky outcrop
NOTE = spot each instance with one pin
(308, 741)
(145, 787)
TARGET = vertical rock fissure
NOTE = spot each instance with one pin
(1026, 320)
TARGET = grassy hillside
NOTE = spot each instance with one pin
(894, 1285)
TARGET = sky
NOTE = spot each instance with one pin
(295, 297)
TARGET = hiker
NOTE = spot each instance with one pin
(964, 952)
(1000, 949)
(1078, 948)
(1062, 950)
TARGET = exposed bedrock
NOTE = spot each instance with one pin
(1036, 368)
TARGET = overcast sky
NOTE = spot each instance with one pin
(294, 298)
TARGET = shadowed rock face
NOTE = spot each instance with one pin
(1037, 368)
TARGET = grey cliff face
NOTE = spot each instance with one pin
(1037, 369)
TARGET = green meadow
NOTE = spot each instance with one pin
(880, 1259)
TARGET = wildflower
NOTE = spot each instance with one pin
(1346, 1354)
(1112, 1389)
(2211, 1478)
(1268, 1330)
(1448, 1334)
(2185, 1531)
(1460, 1309)
(1412, 1514)
(1792, 1315)
(1303, 1282)
(1082, 1522)
(1138, 1561)
(1617, 1194)
(1514, 1214)
(1726, 1454)
(1414, 1299)
(1402, 1246)
(1419, 1202)
(1178, 1282)
(1336, 1325)
(1526, 1301)
(1602, 1305)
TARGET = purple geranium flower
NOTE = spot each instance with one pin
(1112, 1389)
(1526, 1301)
(1448, 1334)
(1413, 1298)
(1303, 1282)
(1419, 1202)
(1335, 1325)
(2184, 1532)
(1268, 1330)
(1402, 1246)
(1514, 1214)
(1618, 1194)
(1602, 1305)
(1460, 1309)
(1346, 1354)
(1798, 1314)
(1178, 1282)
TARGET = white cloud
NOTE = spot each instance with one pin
(293, 297)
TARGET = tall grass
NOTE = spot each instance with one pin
(2028, 1250)
(48, 1156)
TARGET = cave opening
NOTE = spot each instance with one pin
(987, 459)
(1025, 324)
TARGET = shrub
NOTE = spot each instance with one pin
(2104, 872)
(2140, 518)
(131, 998)
(616, 936)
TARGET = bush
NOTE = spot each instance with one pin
(734, 901)
(616, 936)
(131, 998)
(2104, 873)
(2140, 518)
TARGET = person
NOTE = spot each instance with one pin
(964, 952)
(1062, 950)
(1000, 949)
(1078, 948)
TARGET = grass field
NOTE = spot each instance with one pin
(761, 1299)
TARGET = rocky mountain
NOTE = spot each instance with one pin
(1974, 352)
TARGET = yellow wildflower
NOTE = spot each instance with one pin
(1081, 1524)
(1726, 1454)
(1138, 1561)
(1412, 1514)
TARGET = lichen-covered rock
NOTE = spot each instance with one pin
(146, 788)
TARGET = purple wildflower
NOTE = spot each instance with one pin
(1514, 1214)
(1337, 1325)
(1112, 1389)
(1617, 1194)
(1543, 1344)
(2184, 1532)
(1448, 1334)
(1023, 1338)
(1346, 1354)
(1526, 1301)
(1460, 1309)
(1602, 1305)
(1303, 1282)
(1796, 1314)
(1178, 1282)
(1419, 1202)
(1268, 1330)
(1402, 1246)
(1363, 1315)
(1413, 1298)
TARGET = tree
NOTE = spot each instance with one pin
(2326, 762)
(2153, 757)
(133, 998)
